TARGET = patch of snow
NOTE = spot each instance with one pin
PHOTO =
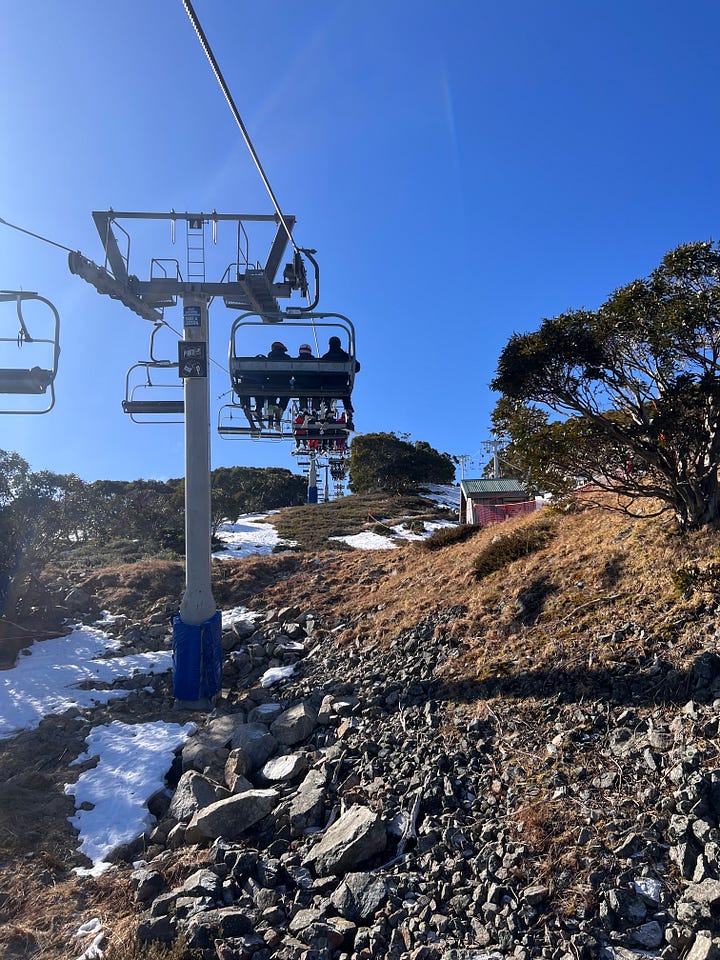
(46, 680)
(443, 494)
(90, 926)
(94, 951)
(248, 536)
(132, 762)
(367, 541)
(276, 674)
(430, 527)
(237, 614)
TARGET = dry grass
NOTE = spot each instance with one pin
(518, 542)
(528, 656)
(597, 573)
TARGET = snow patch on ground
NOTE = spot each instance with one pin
(47, 676)
(443, 494)
(249, 536)
(376, 541)
(132, 762)
(238, 615)
(367, 541)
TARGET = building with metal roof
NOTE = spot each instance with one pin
(490, 500)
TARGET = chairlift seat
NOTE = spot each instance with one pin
(154, 406)
(33, 381)
(264, 378)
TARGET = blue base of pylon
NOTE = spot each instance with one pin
(197, 662)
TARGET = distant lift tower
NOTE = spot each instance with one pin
(246, 286)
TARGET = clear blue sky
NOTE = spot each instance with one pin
(463, 169)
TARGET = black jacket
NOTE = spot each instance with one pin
(339, 356)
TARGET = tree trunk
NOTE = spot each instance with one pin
(698, 502)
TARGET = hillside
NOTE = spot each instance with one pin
(505, 746)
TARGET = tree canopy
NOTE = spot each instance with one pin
(385, 461)
(633, 387)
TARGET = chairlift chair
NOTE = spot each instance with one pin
(259, 378)
(37, 378)
(148, 397)
(232, 422)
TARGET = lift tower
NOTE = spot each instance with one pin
(245, 286)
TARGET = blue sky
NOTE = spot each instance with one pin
(463, 170)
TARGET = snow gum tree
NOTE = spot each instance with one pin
(626, 396)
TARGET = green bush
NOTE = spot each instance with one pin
(692, 577)
(509, 547)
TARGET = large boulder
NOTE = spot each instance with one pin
(294, 724)
(254, 740)
(193, 792)
(230, 817)
(358, 835)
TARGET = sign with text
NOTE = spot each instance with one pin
(192, 358)
(192, 316)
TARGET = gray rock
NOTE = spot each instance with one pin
(705, 893)
(535, 894)
(147, 884)
(156, 929)
(202, 883)
(237, 765)
(265, 712)
(358, 835)
(78, 599)
(359, 896)
(703, 949)
(254, 740)
(303, 919)
(193, 792)
(282, 769)
(649, 935)
(294, 724)
(627, 906)
(204, 928)
(308, 804)
(230, 817)
(199, 751)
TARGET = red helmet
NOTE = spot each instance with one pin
(278, 346)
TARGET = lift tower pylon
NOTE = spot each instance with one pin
(246, 285)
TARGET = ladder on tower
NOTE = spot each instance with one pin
(195, 236)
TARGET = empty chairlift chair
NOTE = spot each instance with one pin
(36, 343)
(150, 397)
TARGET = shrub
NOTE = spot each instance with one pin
(518, 543)
(447, 536)
(693, 576)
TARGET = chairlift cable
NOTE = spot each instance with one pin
(37, 236)
(238, 119)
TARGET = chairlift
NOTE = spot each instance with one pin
(36, 378)
(232, 422)
(150, 397)
(311, 382)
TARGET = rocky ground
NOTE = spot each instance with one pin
(371, 808)
(449, 772)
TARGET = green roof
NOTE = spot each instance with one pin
(500, 485)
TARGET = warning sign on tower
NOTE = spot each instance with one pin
(192, 359)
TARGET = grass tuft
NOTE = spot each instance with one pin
(506, 548)
(448, 536)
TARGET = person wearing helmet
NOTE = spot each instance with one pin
(306, 380)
